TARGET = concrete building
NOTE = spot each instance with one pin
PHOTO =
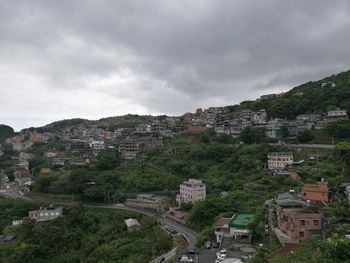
(234, 227)
(337, 115)
(191, 191)
(128, 148)
(132, 224)
(46, 214)
(298, 219)
(97, 145)
(279, 160)
(148, 201)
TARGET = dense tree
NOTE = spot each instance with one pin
(6, 132)
(305, 136)
(253, 135)
(107, 160)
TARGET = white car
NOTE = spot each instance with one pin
(221, 257)
(185, 259)
(221, 252)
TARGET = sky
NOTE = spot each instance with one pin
(64, 59)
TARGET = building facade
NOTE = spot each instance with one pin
(279, 160)
(191, 191)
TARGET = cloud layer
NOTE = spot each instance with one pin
(92, 59)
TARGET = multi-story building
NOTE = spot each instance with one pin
(337, 115)
(279, 160)
(97, 145)
(77, 146)
(191, 191)
(298, 219)
(128, 148)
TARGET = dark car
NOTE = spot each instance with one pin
(208, 244)
(216, 245)
(172, 232)
(160, 260)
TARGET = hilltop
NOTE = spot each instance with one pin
(319, 96)
(312, 97)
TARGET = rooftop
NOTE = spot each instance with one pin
(242, 220)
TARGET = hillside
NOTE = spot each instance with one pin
(110, 123)
(5, 132)
(310, 97)
(307, 98)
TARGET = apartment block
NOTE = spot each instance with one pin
(191, 191)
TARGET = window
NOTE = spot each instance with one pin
(316, 222)
(301, 234)
(302, 222)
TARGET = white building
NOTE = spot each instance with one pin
(132, 224)
(191, 191)
(279, 160)
(337, 114)
(97, 145)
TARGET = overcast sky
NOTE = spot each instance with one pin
(91, 59)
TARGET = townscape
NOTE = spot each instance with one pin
(230, 184)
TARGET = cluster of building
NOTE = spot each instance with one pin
(224, 121)
(300, 216)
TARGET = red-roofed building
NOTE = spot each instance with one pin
(316, 192)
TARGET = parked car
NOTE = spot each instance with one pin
(172, 232)
(216, 245)
(185, 259)
(221, 252)
(208, 244)
(191, 252)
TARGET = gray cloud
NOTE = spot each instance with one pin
(100, 58)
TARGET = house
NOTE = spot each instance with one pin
(23, 160)
(191, 191)
(268, 96)
(128, 148)
(279, 160)
(17, 222)
(317, 193)
(148, 201)
(337, 115)
(235, 227)
(132, 224)
(298, 219)
(23, 177)
(46, 214)
(77, 146)
(97, 145)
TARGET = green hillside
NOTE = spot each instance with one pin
(307, 98)
(5, 132)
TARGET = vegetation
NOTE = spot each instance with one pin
(6, 132)
(307, 98)
(83, 235)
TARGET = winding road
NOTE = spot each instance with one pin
(190, 235)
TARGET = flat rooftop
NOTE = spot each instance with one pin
(242, 220)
